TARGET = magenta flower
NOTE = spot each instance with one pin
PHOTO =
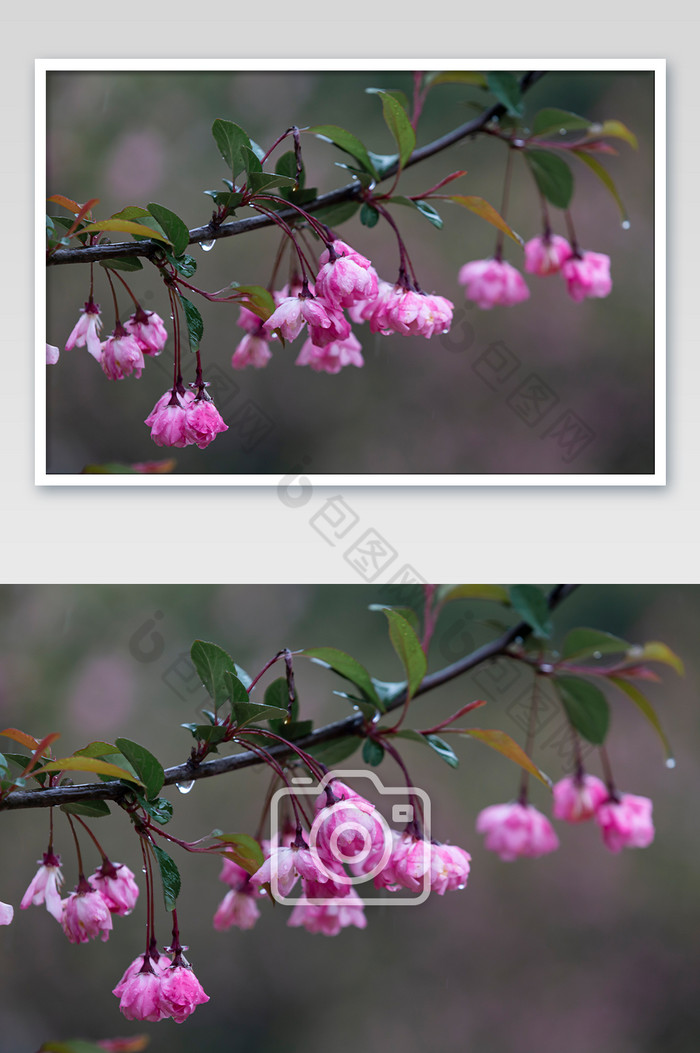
(248, 320)
(140, 992)
(576, 799)
(327, 324)
(44, 887)
(251, 351)
(626, 823)
(398, 310)
(493, 283)
(7, 913)
(545, 255)
(347, 828)
(148, 330)
(86, 915)
(346, 278)
(332, 358)
(86, 331)
(204, 422)
(52, 354)
(234, 875)
(158, 965)
(180, 992)
(116, 884)
(412, 858)
(121, 355)
(587, 275)
(286, 865)
(515, 829)
(287, 319)
(237, 909)
(330, 917)
(168, 419)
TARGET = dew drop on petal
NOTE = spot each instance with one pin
(206, 246)
(185, 787)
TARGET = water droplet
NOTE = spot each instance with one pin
(626, 224)
(670, 762)
(185, 787)
(206, 246)
(518, 143)
(546, 668)
(462, 886)
(143, 870)
(597, 654)
(562, 131)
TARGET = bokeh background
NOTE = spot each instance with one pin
(580, 950)
(417, 406)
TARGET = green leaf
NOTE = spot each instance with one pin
(296, 729)
(408, 648)
(504, 85)
(481, 208)
(399, 125)
(369, 217)
(185, 265)
(170, 877)
(211, 734)
(442, 749)
(583, 643)
(424, 207)
(92, 764)
(497, 593)
(368, 709)
(244, 850)
(606, 179)
(347, 142)
(235, 688)
(645, 706)
(212, 664)
(147, 767)
(92, 809)
(97, 749)
(261, 181)
(131, 212)
(287, 166)
(396, 93)
(277, 694)
(372, 752)
(251, 162)
(347, 667)
(552, 175)
(531, 603)
(586, 707)
(334, 215)
(255, 713)
(508, 747)
(75, 1045)
(159, 809)
(124, 226)
(459, 76)
(388, 690)
(127, 263)
(408, 613)
(655, 651)
(176, 230)
(257, 299)
(553, 120)
(335, 751)
(231, 141)
(195, 325)
(383, 163)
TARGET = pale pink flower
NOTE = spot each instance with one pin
(248, 320)
(44, 887)
(117, 886)
(329, 917)
(148, 330)
(347, 828)
(236, 908)
(415, 864)
(233, 875)
(168, 419)
(180, 992)
(287, 319)
(140, 994)
(86, 331)
(326, 323)
(587, 275)
(286, 865)
(493, 283)
(253, 351)
(85, 916)
(545, 255)
(333, 357)
(515, 829)
(626, 823)
(346, 279)
(121, 355)
(204, 422)
(7, 913)
(52, 354)
(398, 310)
(577, 798)
(158, 965)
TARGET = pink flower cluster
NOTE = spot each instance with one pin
(238, 907)
(155, 987)
(179, 418)
(87, 912)
(121, 354)
(494, 282)
(346, 281)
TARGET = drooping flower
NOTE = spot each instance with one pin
(86, 330)
(7, 913)
(248, 320)
(158, 963)
(44, 887)
(85, 915)
(117, 886)
(252, 350)
(626, 822)
(345, 276)
(148, 329)
(587, 275)
(347, 827)
(121, 355)
(516, 829)
(331, 916)
(168, 419)
(333, 357)
(410, 313)
(204, 422)
(577, 798)
(492, 283)
(140, 992)
(326, 323)
(52, 354)
(180, 991)
(237, 909)
(544, 255)
(417, 864)
(284, 866)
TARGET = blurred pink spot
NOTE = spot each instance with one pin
(136, 164)
(103, 696)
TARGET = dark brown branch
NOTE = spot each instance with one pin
(148, 249)
(113, 791)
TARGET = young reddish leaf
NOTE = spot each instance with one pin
(503, 743)
(93, 764)
(68, 203)
(84, 210)
(484, 210)
(257, 299)
(40, 750)
(20, 736)
(125, 226)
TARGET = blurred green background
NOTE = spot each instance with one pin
(417, 406)
(580, 950)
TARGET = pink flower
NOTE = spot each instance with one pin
(410, 313)
(168, 419)
(545, 255)
(44, 887)
(148, 330)
(326, 323)
(121, 355)
(415, 864)
(140, 993)
(251, 351)
(333, 357)
(234, 875)
(85, 916)
(7, 913)
(493, 282)
(347, 278)
(587, 275)
(248, 320)
(576, 799)
(330, 917)
(284, 866)
(204, 422)
(287, 319)
(626, 823)
(116, 884)
(86, 331)
(180, 992)
(347, 828)
(515, 829)
(236, 908)
(158, 965)
(52, 354)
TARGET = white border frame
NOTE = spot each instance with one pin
(657, 66)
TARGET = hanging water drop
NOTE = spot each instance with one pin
(206, 246)
(670, 762)
(597, 654)
(562, 131)
(185, 787)
(626, 224)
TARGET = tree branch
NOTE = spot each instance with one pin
(113, 791)
(95, 253)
